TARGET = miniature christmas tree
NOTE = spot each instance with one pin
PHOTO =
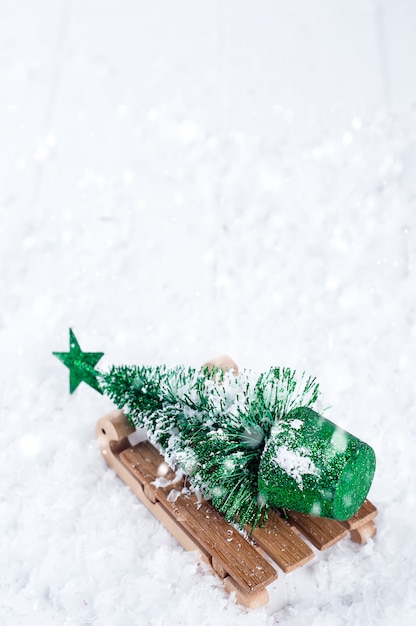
(249, 442)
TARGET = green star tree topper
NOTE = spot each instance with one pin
(81, 364)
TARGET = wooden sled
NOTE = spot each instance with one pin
(240, 561)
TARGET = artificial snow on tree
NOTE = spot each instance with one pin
(248, 442)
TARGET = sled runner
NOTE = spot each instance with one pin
(243, 562)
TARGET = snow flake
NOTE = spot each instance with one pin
(339, 440)
(173, 495)
(187, 459)
(316, 508)
(229, 465)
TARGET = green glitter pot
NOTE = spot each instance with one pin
(311, 465)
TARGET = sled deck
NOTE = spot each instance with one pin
(247, 564)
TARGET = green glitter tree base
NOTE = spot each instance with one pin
(311, 465)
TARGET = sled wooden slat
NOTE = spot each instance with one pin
(198, 526)
(320, 531)
(365, 514)
(220, 540)
(361, 525)
(145, 462)
(282, 544)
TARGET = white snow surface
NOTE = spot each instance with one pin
(178, 180)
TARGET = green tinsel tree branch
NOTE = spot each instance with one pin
(212, 425)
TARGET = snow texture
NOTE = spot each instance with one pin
(178, 180)
(296, 463)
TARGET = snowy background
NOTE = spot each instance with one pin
(181, 179)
